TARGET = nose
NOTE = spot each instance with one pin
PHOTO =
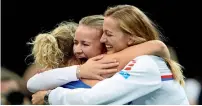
(103, 38)
(77, 49)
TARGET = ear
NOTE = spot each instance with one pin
(131, 40)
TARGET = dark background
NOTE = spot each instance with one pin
(180, 22)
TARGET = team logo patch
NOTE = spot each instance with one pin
(124, 74)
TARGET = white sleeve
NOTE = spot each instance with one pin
(52, 79)
(134, 81)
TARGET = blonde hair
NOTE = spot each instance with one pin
(55, 48)
(94, 21)
(135, 23)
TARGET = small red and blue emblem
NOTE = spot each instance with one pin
(166, 77)
(127, 68)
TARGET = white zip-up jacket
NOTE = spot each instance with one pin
(146, 80)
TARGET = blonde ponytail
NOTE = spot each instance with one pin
(55, 48)
(176, 70)
(46, 51)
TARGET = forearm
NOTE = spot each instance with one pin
(154, 47)
(52, 79)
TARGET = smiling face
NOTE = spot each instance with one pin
(114, 39)
(87, 42)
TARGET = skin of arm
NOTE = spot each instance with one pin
(153, 47)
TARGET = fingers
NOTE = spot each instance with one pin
(107, 75)
(97, 57)
(108, 71)
(33, 100)
(99, 77)
(107, 61)
(109, 65)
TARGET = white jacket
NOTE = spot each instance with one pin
(145, 81)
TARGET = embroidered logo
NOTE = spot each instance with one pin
(124, 74)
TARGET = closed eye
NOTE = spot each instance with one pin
(86, 44)
(107, 33)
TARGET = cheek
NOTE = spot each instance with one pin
(123, 39)
(99, 49)
(88, 51)
(120, 43)
(99, 46)
(94, 50)
(114, 41)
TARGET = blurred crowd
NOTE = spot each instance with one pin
(192, 87)
(13, 86)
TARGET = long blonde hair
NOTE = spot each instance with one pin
(135, 23)
(55, 48)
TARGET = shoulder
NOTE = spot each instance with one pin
(143, 68)
(148, 57)
(147, 61)
(144, 63)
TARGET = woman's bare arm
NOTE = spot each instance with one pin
(154, 47)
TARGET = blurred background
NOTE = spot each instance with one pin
(179, 21)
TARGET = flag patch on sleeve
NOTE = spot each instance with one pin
(167, 77)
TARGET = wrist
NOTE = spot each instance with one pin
(46, 102)
(78, 72)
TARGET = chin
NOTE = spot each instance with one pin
(110, 52)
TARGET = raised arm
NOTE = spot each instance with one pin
(153, 47)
